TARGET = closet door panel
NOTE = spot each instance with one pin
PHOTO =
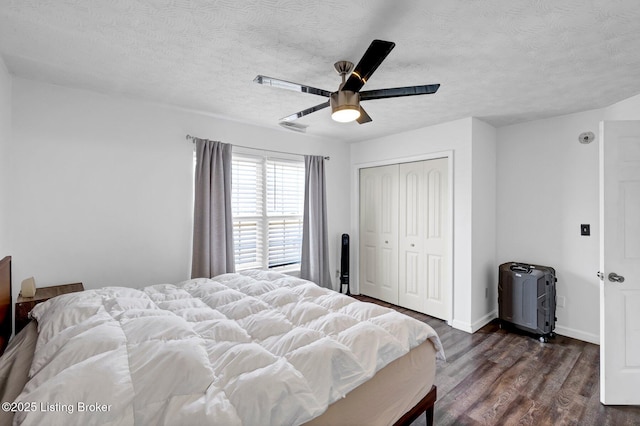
(412, 291)
(412, 282)
(378, 233)
(434, 279)
(387, 261)
(436, 239)
(368, 234)
(369, 275)
(388, 272)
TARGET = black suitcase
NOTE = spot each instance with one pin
(527, 298)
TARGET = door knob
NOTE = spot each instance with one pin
(615, 278)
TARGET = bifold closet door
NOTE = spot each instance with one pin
(378, 275)
(423, 237)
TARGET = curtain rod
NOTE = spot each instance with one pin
(193, 139)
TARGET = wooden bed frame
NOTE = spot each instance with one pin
(424, 406)
(6, 325)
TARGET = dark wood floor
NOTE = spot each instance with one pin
(500, 377)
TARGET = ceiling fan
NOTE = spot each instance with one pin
(345, 102)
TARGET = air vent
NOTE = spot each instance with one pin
(296, 127)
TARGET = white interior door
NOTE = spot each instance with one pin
(620, 257)
(378, 274)
(423, 238)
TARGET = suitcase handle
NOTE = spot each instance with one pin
(518, 267)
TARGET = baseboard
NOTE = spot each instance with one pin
(560, 330)
(577, 334)
(461, 325)
(476, 325)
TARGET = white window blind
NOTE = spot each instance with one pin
(247, 207)
(267, 205)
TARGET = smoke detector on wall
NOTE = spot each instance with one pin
(586, 137)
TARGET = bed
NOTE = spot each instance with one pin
(249, 348)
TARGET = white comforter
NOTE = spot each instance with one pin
(255, 348)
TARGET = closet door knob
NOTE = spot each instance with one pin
(413, 245)
(386, 242)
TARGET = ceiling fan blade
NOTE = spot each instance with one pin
(372, 58)
(282, 84)
(364, 117)
(397, 92)
(305, 112)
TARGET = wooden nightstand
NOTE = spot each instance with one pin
(24, 305)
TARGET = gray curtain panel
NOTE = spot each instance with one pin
(212, 220)
(315, 248)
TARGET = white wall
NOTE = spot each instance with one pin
(484, 295)
(548, 187)
(102, 186)
(455, 136)
(5, 134)
(628, 109)
(101, 192)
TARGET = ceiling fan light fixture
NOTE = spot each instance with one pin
(345, 106)
(346, 115)
(345, 102)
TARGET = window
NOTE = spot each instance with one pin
(267, 205)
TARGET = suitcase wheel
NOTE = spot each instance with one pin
(543, 339)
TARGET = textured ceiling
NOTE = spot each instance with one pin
(504, 61)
